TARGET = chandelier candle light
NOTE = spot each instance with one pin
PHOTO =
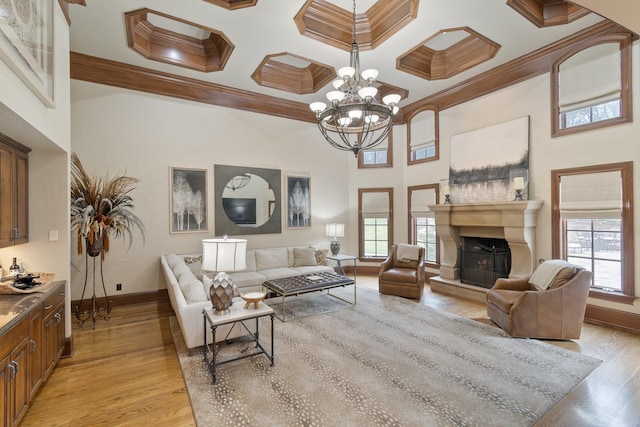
(335, 231)
(355, 120)
(223, 255)
(239, 181)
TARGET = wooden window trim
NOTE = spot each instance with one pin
(628, 258)
(626, 101)
(361, 191)
(410, 236)
(437, 135)
(389, 164)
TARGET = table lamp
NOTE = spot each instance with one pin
(335, 230)
(222, 256)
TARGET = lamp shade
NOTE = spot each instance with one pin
(335, 230)
(224, 254)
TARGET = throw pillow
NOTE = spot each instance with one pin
(321, 256)
(195, 265)
(304, 256)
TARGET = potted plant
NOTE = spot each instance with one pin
(101, 207)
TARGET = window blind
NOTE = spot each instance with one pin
(423, 130)
(375, 205)
(591, 195)
(420, 199)
(590, 77)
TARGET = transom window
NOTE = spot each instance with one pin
(379, 157)
(590, 86)
(376, 222)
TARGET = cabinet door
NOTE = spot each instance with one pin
(35, 351)
(5, 374)
(50, 343)
(21, 200)
(20, 383)
(6, 204)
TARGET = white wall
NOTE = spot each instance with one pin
(117, 130)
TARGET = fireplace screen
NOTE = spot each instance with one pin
(482, 261)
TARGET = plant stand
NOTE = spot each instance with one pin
(94, 311)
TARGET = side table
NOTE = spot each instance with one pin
(339, 258)
(237, 315)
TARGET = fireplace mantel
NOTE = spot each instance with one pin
(513, 221)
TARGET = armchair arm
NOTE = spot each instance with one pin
(519, 284)
(387, 263)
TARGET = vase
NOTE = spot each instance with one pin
(94, 249)
(221, 292)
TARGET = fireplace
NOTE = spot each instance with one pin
(513, 222)
(483, 260)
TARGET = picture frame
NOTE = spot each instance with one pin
(26, 44)
(298, 201)
(188, 200)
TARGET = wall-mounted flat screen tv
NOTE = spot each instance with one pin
(240, 211)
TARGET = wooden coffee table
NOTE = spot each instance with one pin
(298, 285)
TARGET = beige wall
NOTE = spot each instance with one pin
(47, 131)
(118, 130)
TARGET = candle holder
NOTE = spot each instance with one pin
(446, 190)
(519, 180)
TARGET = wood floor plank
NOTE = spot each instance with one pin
(125, 372)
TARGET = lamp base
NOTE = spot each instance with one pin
(519, 197)
(222, 291)
(335, 246)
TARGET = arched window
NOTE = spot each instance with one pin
(422, 137)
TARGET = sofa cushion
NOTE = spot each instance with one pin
(251, 260)
(279, 273)
(243, 279)
(180, 270)
(195, 265)
(304, 256)
(400, 275)
(190, 286)
(271, 258)
(313, 269)
(173, 260)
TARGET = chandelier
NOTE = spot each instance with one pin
(239, 181)
(355, 120)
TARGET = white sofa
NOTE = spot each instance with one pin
(188, 286)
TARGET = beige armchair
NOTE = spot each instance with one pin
(402, 278)
(522, 310)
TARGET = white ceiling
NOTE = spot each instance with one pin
(98, 29)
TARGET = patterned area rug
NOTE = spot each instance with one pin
(387, 361)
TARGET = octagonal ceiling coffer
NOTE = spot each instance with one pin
(165, 38)
(233, 4)
(333, 25)
(546, 13)
(447, 53)
(292, 73)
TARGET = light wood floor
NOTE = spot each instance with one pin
(126, 373)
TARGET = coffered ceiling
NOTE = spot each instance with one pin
(289, 50)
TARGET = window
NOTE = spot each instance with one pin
(422, 231)
(379, 157)
(591, 87)
(422, 136)
(375, 208)
(592, 214)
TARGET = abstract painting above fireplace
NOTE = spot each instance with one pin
(481, 160)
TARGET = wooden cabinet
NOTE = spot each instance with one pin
(14, 192)
(53, 323)
(15, 378)
(31, 345)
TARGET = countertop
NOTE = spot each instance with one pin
(14, 307)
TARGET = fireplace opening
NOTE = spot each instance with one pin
(483, 260)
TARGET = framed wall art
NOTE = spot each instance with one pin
(298, 201)
(26, 44)
(188, 199)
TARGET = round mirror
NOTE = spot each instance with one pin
(248, 200)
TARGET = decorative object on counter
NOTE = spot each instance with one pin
(252, 298)
(222, 256)
(519, 179)
(15, 269)
(100, 207)
(24, 283)
(446, 190)
(335, 230)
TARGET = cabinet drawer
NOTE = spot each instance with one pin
(49, 305)
(14, 336)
